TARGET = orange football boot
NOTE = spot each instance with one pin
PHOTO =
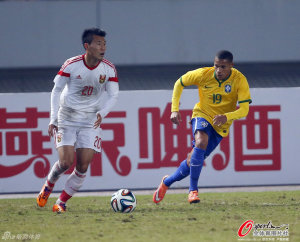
(43, 196)
(59, 208)
(193, 197)
(160, 192)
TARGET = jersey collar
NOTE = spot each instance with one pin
(90, 68)
(221, 81)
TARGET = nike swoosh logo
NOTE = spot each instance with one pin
(207, 86)
(156, 196)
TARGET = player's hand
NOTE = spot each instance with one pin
(176, 117)
(98, 121)
(219, 120)
(52, 129)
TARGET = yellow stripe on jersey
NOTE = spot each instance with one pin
(216, 96)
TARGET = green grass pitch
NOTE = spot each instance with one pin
(216, 218)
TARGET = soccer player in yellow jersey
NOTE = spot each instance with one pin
(220, 88)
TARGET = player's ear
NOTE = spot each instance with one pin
(85, 45)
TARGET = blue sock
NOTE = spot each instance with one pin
(182, 171)
(196, 164)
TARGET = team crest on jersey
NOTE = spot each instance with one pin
(204, 124)
(227, 88)
(58, 138)
(102, 78)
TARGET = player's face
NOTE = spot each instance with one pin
(97, 47)
(222, 68)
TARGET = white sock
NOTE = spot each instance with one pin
(58, 201)
(54, 174)
(74, 182)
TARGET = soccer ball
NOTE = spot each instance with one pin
(123, 201)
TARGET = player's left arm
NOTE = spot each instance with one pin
(241, 112)
(244, 100)
(112, 89)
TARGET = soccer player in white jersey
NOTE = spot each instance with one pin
(77, 110)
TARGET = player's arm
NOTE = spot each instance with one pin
(187, 79)
(244, 101)
(112, 88)
(241, 112)
(59, 84)
(177, 90)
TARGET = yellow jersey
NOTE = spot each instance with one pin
(215, 96)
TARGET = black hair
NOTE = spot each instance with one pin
(225, 55)
(87, 35)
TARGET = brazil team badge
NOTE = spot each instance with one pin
(204, 124)
(227, 88)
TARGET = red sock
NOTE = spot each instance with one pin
(64, 197)
(50, 185)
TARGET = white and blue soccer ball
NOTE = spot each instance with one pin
(123, 201)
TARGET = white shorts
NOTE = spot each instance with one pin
(79, 137)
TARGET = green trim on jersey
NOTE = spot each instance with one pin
(220, 82)
(246, 101)
(181, 82)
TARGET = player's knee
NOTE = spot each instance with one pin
(201, 140)
(201, 145)
(188, 159)
(65, 164)
(82, 167)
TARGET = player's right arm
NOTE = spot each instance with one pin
(60, 81)
(177, 90)
(188, 79)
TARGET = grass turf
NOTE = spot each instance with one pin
(216, 218)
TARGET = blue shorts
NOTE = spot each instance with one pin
(213, 137)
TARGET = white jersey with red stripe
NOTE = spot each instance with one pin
(80, 92)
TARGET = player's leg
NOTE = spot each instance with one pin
(184, 168)
(86, 146)
(213, 142)
(74, 182)
(196, 164)
(66, 158)
(201, 132)
(206, 140)
(65, 139)
(181, 172)
(160, 192)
